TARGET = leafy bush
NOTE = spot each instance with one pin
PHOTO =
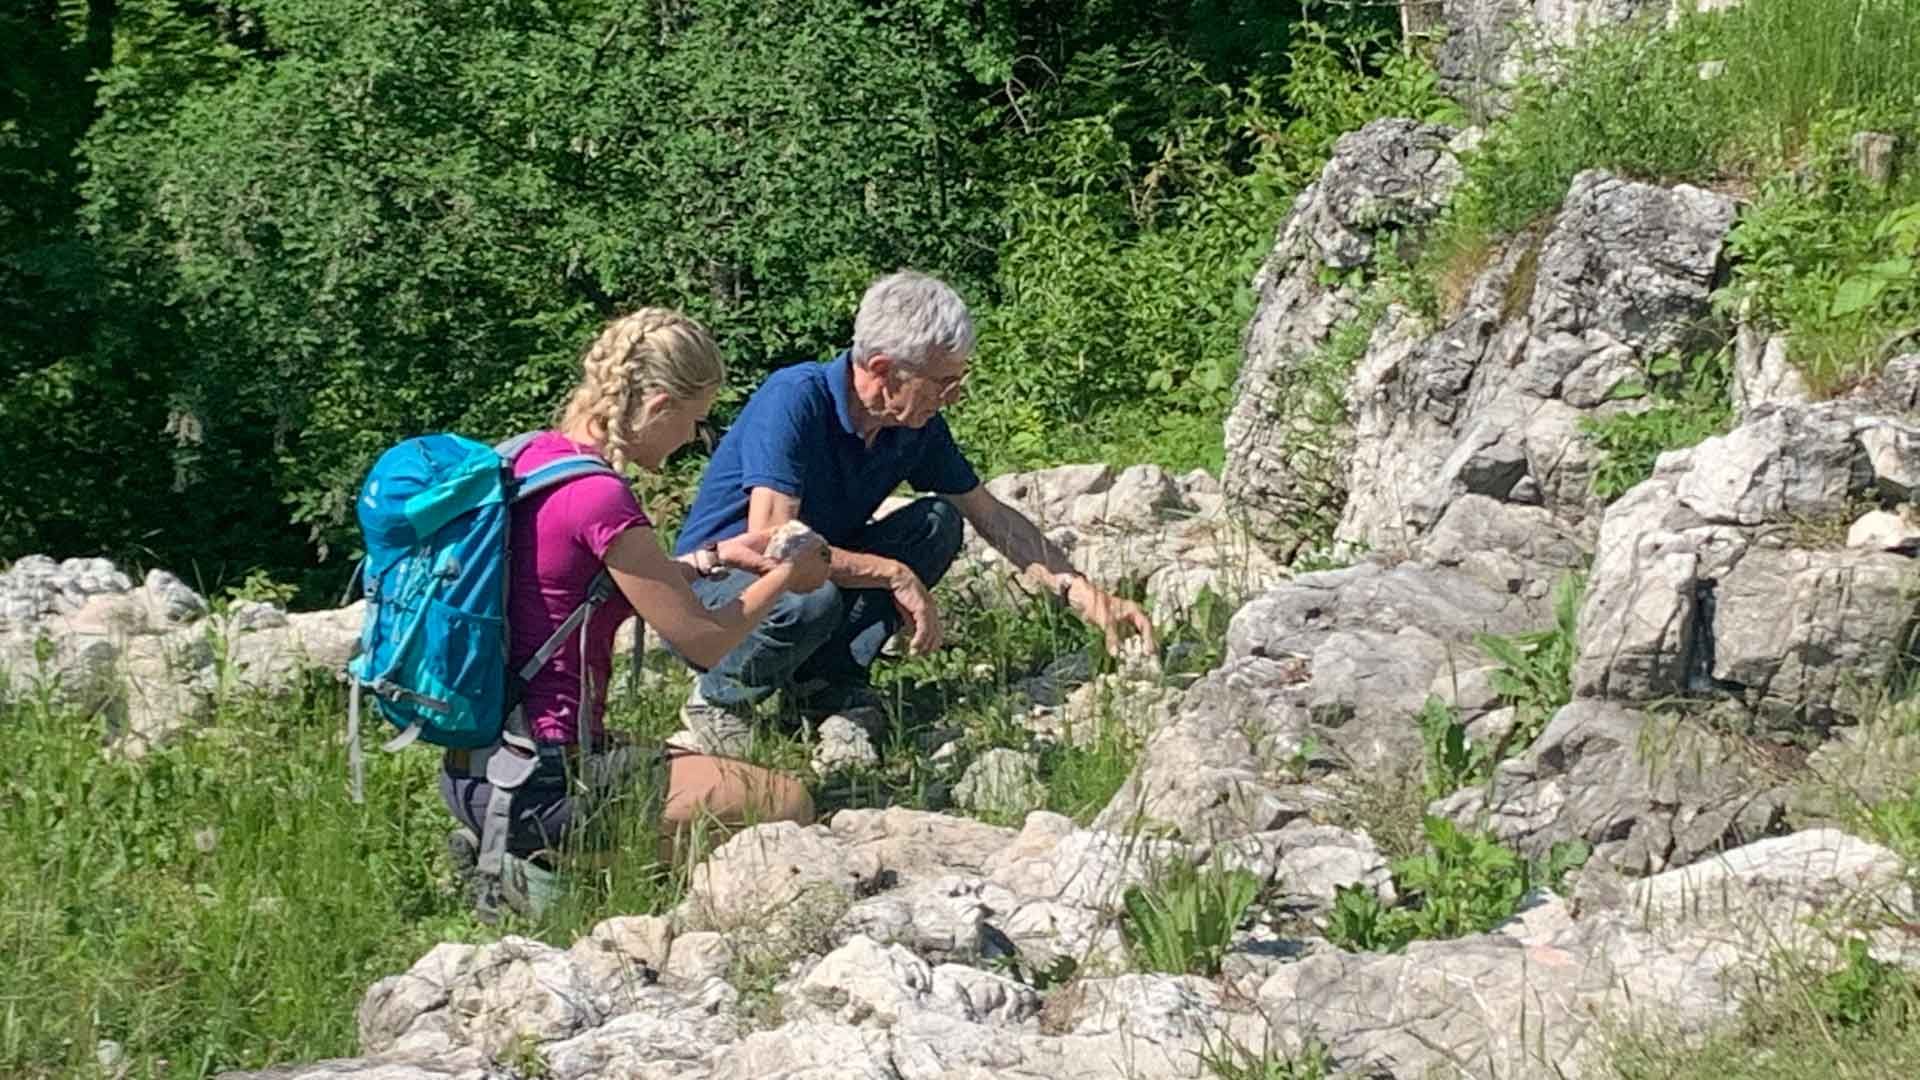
(1122, 286)
(1536, 672)
(1464, 883)
(1183, 922)
(1688, 401)
(1830, 260)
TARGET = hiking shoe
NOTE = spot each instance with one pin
(714, 729)
(463, 851)
(525, 887)
(819, 699)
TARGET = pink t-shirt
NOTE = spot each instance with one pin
(560, 539)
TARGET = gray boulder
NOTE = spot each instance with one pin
(1646, 794)
(1538, 995)
(1389, 175)
(1487, 45)
(1722, 575)
(1490, 405)
(1324, 673)
(1374, 639)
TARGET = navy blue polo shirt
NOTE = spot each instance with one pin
(796, 436)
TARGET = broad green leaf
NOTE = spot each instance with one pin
(1856, 294)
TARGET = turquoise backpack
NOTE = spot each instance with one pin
(433, 642)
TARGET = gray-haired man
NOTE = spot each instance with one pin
(825, 444)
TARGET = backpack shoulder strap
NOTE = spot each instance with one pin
(559, 471)
(510, 448)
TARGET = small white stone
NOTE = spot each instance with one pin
(842, 745)
(1882, 530)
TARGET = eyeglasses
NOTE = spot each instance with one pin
(704, 431)
(952, 388)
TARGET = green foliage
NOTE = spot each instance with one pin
(1830, 259)
(1864, 989)
(1635, 103)
(216, 904)
(1891, 282)
(1452, 760)
(264, 243)
(1081, 780)
(260, 587)
(1123, 283)
(1536, 667)
(1199, 636)
(1895, 822)
(1687, 400)
(455, 198)
(1463, 883)
(1793, 64)
(1629, 102)
(1361, 921)
(1182, 922)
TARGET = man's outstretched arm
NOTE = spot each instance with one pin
(1042, 564)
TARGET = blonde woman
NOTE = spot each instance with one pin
(646, 384)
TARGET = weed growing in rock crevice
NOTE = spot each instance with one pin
(1182, 922)
(1536, 667)
(1687, 401)
(1462, 884)
(1227, 1059)
(1453, 760)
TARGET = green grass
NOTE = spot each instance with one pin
(1854, 1023)
(220, 903)
(1226, 1059)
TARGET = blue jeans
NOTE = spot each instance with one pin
(831, 634)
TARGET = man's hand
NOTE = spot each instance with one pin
(748, 551)
(808, 567)
(1118, 619)
(916, 606)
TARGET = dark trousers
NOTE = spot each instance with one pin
(831, 635)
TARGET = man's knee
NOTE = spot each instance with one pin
(947, 528)
(806, 615)
(937, 540)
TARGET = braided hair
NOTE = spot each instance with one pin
(652, 350)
